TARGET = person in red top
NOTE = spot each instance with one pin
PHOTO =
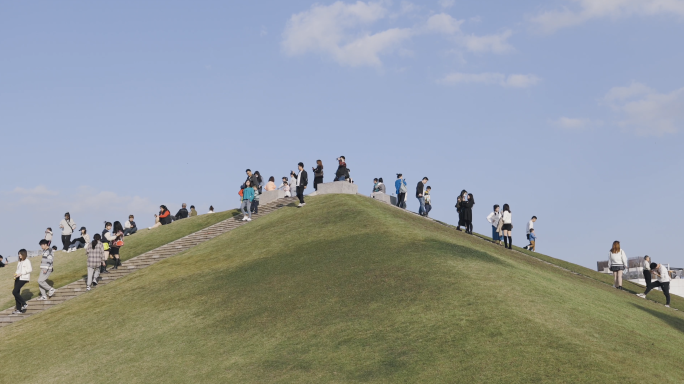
(164, 215)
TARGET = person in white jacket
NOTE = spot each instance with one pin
(493, 219)
(663, 282)
(21, 277)
(68, 227)
(617, 262)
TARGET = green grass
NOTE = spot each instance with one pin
(348, 289)
(70, 267)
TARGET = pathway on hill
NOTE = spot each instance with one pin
(78, 288)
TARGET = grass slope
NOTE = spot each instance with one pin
(348, 289)
(70, 267)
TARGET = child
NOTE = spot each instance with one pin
(428, 200)
(255, 202)
(247, 197)
(45, 271)
(286, 188)
(533, 239)
(48, 235)
(293, 183)
(21, 277)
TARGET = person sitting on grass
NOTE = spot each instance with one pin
(211, 209)
(80, 242)
(663, 282)
(193, 211)
(182, 213)
(129, 226)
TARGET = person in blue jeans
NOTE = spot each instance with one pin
(341, 174)
(247, 198)
(400, 186)
(420, 197)
(428, 201)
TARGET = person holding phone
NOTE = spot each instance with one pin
(318, 174)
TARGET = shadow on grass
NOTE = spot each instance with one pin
(458, 251)
(675, 322)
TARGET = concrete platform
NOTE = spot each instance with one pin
(384, 198)
(337, 187)
(271, 196)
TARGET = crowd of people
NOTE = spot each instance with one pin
(106, 245)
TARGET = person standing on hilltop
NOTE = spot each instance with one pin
(302, 182)
(493, 219)
(617, 262)
(342, 172)
(253, 178)
(68, 227)
(318, 174)
(400, 186)
(419, 195)
(507, 226)
(467, 209)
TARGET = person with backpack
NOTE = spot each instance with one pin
(663, 282)
(342, 171)
(247, 195)
(467, 210)
(46, 290)
(95, 258)
(507, 226)
(302, 182)
(318, 174)
(617, 262)
(400, 186)
(116, 243)
(68, 227)
(493, 219)
(21, 277)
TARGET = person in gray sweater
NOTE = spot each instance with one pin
(45, 271)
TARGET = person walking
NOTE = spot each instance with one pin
(663, 282)
(617, 262)
(400, 186)
(528, 229)
(107, 239)
(419, 195)
(533, 241)
(68, 227)
(302, 182)
(130, 227)
(318, 174)
(493, 219)
(116, 243)
(80, 242)
(95, 258)
(467, 210)
(646, 265)
(21, 277)
(507, 226)
(342, 172)
(45, 271)
(246, 204)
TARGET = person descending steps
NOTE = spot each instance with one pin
(45, 270)
(21, 277)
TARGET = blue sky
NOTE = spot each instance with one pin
(570, 110)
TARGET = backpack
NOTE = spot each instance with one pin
(241, 193)
(402, 187)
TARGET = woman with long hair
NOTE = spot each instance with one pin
(507, 226)
(318, 174)
(107, 238)
(617, 262)
(118, 234)
(270, 186)
(164, 215)
(467, 208)
(459, 202)
(95, 257)
(21, 277)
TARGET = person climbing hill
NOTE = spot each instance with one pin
(617, 262)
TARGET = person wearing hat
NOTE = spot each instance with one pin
(80, 242)
(400, 186)
(68, 228)
(342, 172)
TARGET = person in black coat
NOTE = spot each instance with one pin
(460, 213)
(182, 213)
(467, 213)
(302, 182)
(342, 173)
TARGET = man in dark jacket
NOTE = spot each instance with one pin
(182, 213)
(253, 178)
(302, 181)
(342, 172)
(419, 195)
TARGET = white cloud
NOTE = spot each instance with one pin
(586, 10)
(447, 3)
(645, 111)
(574, 123)
(510, 81)
(40, 190)
(489, 43)
(341, 31)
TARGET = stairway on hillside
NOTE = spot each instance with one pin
(78, 288)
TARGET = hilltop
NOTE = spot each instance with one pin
(348, 289)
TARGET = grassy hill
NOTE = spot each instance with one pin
(70, 267)
(348, 289)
